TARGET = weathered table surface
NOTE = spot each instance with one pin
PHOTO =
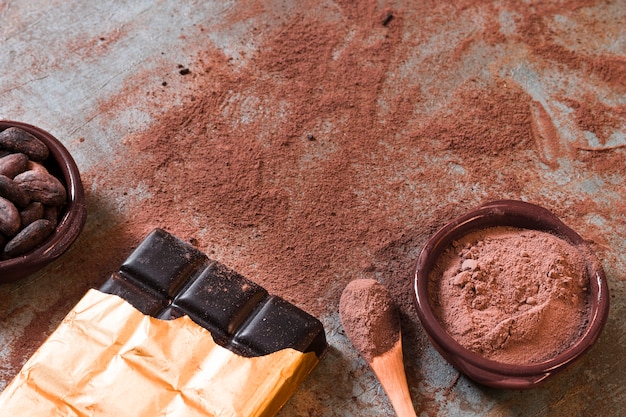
(63, 62)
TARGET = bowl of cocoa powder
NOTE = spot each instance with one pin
(510, 295)
(42, 201)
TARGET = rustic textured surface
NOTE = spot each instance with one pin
(305, 145)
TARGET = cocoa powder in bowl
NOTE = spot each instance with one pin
(512, 295)
(509, 294)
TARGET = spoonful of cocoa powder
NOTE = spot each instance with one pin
(371, 320)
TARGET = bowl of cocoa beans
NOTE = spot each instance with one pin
(42, 200)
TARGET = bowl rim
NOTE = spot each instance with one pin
(69, 225)
(512, 213)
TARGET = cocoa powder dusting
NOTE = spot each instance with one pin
(369, 317)
(338, 139)
(280, 152)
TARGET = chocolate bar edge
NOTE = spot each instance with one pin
(165, 277)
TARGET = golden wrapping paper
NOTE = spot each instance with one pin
(108, 359)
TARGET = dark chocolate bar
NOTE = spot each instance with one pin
(167, 278)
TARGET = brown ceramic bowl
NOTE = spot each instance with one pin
(60, 164)
(482, 370)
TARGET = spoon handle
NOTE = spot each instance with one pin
(389, 368)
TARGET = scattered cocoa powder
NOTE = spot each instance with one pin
(593, 116)
(370, 317)
(399, 122)
(243, 169)
(512, 295)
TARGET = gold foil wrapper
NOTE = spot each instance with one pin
(108, 359)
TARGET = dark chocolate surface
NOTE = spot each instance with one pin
(167, 278)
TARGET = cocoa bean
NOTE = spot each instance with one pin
(36, 166)
(42, 187)
(15, 139)
(34, 211)
(10, 190)
(31, 236)
(10, 221)
(51, 213)
(13, 164)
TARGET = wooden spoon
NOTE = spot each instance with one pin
(370, 318)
